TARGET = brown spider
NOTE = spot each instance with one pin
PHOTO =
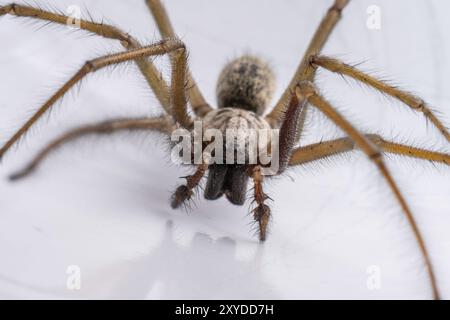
(244, 91)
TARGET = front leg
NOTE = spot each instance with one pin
(184, 192)
(179, 111)
(413, 102)
(146, 66)
(304, 70)
(161, 124)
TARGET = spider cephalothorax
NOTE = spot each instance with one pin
(244, 91)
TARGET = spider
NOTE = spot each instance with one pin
(244, 91)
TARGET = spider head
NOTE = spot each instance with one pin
(247, 83)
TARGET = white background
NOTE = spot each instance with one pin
(102, 203)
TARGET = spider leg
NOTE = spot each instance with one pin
(185, 192)
(415, 103)
(177, 87)
(330, 148)
(148, 69)
(198, 102)
(162, 124)
(304, 70)
(307, 90)
(261, 213)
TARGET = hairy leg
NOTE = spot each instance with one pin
(162, 124)
(148, 69)
(261, 213)
(184, 192)
(415, 103)
(304, 70)
(198, 102)
(330, 148)
(307, 90)
(177, 88)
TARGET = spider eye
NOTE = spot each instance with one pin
(246, 83)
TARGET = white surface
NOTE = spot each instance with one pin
(102, 204)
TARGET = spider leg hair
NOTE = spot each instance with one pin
(196, 99)
(161, 124)
(415, 103)
(304, 70)
(330, 148)
(261, 213)
(147, 68)
(307, 91)
(183, 194)
(179, 111)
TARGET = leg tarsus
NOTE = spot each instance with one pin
(163, 47)
(261, 214)
(180, 196)
(147, 67)
(185, 192)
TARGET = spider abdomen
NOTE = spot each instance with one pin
(246, 83)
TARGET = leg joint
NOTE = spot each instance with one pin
(420, 106)
(125, 38)
(173, 45)
(8, 9)
(180, 48)
(375, 138)
(89, 66)
(312, 61)
(376, 156)
(305, 89)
